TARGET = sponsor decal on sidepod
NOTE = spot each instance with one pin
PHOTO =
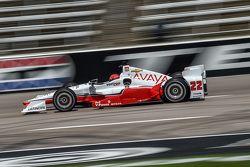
(150, 77)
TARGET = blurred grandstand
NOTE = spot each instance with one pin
(52, 26)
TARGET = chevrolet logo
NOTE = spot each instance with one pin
(136, 70)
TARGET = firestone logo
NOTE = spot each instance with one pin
(37, 108)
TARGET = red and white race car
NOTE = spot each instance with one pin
(133, 85)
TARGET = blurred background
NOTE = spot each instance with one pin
(35, 26)
(45, 44)
(50, 27)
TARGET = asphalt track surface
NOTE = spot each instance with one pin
(225, 110)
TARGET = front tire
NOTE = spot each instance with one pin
(64, 99)
(175, 90)
(69, 85)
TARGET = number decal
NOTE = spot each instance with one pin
(193, 86)
(196, 85)
(199, 85)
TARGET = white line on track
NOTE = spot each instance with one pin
(217, 96)
(119, 123)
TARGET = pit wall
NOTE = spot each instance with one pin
(221, 58)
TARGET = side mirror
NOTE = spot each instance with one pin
(127, 82)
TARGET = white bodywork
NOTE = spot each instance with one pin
(192, 74)
(139, 77)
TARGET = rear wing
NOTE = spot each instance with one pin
(196, 71)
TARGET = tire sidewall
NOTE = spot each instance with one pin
(64, 99)
(70, 84)
(180, 84)
(176, 75)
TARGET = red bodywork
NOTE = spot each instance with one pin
(127, 96)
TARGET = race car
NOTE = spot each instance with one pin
(133, 85)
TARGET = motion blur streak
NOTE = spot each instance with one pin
(79, 156)
(120, 123)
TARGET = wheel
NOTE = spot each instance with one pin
(69, 84)
(175, 90)
(176, 75)
(64, 99)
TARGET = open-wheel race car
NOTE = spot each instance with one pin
(133, 85)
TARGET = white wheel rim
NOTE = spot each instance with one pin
(175, 91)
(64, 100)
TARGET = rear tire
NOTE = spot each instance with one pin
(64, 99)
(175, 90)
(176, 75)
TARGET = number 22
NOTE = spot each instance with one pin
(196, 85)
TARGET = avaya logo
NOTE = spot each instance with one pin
(151, 77)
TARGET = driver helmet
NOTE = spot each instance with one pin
(114, 76)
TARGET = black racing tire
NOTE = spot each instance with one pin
(176, 75)
(175, 90)
(64, 99)
(69, 84)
